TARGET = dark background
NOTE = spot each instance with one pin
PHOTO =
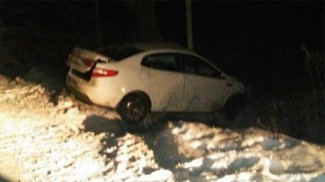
(257, 41)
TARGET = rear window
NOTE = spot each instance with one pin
(161, 61)
(119, 53)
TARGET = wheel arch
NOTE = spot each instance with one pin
(234, 104)
(238, 95)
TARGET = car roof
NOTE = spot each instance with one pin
(121, 51)
(144, 46)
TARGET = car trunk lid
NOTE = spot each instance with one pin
(83, 60)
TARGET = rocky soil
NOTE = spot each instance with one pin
(50, 136)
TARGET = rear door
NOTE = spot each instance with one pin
(164, 80)
(204, 85)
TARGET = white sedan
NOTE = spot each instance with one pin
(136, 79)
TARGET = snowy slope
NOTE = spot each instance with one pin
(42, 139)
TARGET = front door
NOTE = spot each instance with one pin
(204, 85)
(165, 82)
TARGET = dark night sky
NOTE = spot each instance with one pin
(265, 34)
(213, 21)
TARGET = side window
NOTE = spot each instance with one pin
(194, 65)
(162, 62)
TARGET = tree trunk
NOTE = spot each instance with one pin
(147, 28)
(99, 38)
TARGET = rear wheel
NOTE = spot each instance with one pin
(134, 108)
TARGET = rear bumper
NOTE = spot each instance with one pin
(79, 95)
(98, 92)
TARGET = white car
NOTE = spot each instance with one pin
(139, 78)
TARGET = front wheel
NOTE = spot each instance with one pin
(234, 105)
(134, 108)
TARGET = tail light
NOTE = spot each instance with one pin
(100, 72)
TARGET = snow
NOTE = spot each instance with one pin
(72, 141)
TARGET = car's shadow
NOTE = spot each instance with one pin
(157, 137)
(209, 119)
(111, 127)
(100, 124)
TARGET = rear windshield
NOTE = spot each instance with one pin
(119, 53)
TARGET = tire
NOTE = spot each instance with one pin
(134, 108)
(234, 105)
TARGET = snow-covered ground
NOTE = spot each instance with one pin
(61, 139)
